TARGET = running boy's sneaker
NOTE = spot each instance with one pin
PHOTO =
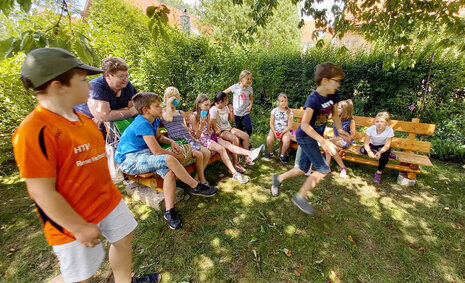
(283, 158)
(240, 178)
(204, 190)
(173, 218)
(148, 278)
(268, 155)
(377, 177)
(239, 168)
(303, 204)
(256, 153)
(275, 185)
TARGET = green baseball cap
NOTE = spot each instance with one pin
(44, 64)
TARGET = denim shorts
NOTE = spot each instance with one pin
(311, 154)
(144, 162)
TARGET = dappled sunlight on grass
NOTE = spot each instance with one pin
(143, 211)
(11, 179)
(205, 264)
(290, 229)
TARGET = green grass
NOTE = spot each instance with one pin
(362, 232)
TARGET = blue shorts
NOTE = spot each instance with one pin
(311, 154)
(144, 162)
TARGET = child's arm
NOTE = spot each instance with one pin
(272, 125)
(385, 148)
(168, 111)
(43, 191)
(305, 126)
(249, 108)
(353, 130)
(228, 90)
(231, 112)
(156, 149)
(197, 127)
(366, 145)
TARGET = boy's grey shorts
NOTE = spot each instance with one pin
(78, 263)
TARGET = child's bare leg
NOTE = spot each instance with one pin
(328, 159)
(120, 257)
(59, 279)
(243, 136)
(286, 139)
(310, 183)
(339, 161)
(337, 141)
(180, 172)
(224, 156)
(234, 149)
(269, 141)
(206, 156)
(294, 172)
(199, 164)
(169, 189)
(229, 136)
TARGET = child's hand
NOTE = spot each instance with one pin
(88, 235)
(371, 155)
(203, 121)
(170, 100)
(378, 155)
(180, 157)
(249, 108)
(345, 135)
(329, 147)
(231, 108)
(176, 148)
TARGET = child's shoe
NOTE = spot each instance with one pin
(268, 155)
(204, 190)
(377, 178)
(394, 156)
(148, 278)
(343, 173)
(239, 168)
(283, 158)
(275, 185)
(240, 178)
(173, 218)
(248, 161)
(256, 153)
(303, 204)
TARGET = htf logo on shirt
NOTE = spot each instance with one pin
(81, 148)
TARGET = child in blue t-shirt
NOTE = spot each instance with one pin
(318, 106)
(139, 152)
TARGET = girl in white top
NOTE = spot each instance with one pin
(378, 142)
(220, 114)
(280, 126)
(242, 101)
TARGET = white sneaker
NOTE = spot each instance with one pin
(240, 178)
(257, 152)
(343, 173)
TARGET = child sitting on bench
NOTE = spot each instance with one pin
(139, 152)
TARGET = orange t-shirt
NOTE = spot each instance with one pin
(48, 145)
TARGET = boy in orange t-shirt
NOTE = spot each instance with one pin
(61, 154)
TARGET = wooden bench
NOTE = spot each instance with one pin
(154, 181)
(411, 151)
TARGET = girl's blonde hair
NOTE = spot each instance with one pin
(244, 74)
(169, 92)
(385, 115)
(347, 109)
(283, 95)
(201, 98)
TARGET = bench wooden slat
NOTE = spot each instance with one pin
(407, 157)
(398, 125)
(373, 162)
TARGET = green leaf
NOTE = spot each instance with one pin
(14, 48)
(27, 43)
(25, 5)
(5, 45)
(6, 6)
(150, 11)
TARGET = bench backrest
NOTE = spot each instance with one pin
(409, 143)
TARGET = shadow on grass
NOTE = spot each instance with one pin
(362, 232)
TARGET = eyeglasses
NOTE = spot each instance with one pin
(122, 77)
(338, 81)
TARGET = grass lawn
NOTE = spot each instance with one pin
(362, 232)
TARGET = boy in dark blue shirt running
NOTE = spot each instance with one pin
(309, 135)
